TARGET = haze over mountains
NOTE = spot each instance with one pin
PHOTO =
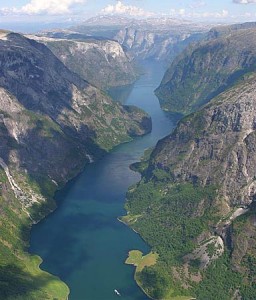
(152, 38)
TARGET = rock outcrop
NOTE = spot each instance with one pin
(216, 145)
(155, 43)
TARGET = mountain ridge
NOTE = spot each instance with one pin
(222, 61)
(52, 124)
(152, 38)
(101, 62)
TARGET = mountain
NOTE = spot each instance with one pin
(108, 20)
(151, 22)
(153, 43)
(43, 84)
(229, 29)
(195, 204)
(153, 38)
(102, 62)
(52, 123)
(206, 69)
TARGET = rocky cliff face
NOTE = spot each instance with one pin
(216, 146)
(43, 84)
(222, 59)
(101, 62)
(157, 44)
(52, 123)
(196, 202)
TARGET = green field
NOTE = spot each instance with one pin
(137, 259)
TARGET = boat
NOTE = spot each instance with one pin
(117, 293)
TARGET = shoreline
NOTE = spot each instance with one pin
(134, 276)
(119, 219)
(57, 202)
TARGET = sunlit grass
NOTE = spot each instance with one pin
(137, 259)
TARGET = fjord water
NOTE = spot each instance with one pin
(82, 242)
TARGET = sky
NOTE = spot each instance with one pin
(40, 11)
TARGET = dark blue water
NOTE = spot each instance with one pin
(82, 242)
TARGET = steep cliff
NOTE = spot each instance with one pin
(155, 43)
(52, 123)
(101, 62)
(43, 84)
(222, 58)
(32, 154)
(195, 204)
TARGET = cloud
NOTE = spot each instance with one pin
(244, 1)
(197, 4)
(122, 9)
(199, 15)
(40, 7)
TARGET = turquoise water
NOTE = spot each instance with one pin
(82, 242)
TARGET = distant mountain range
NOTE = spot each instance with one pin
(153, 38)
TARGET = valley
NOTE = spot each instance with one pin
(88, 241)
(172, 157)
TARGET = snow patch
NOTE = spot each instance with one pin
(4, 35)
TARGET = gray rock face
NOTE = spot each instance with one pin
(217, 146)
(101, 62)
(157, 44)
(35, 144)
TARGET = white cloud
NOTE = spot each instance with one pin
(198, 15)
(123, 9)
(197, 4)
(44, 7)
(244, 1)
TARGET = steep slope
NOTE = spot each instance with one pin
(229, 29)
(155, 43)
(52, 123)
(221, 60)
(195, 204)
(43, 84)
(101, 62)
(32, 154)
